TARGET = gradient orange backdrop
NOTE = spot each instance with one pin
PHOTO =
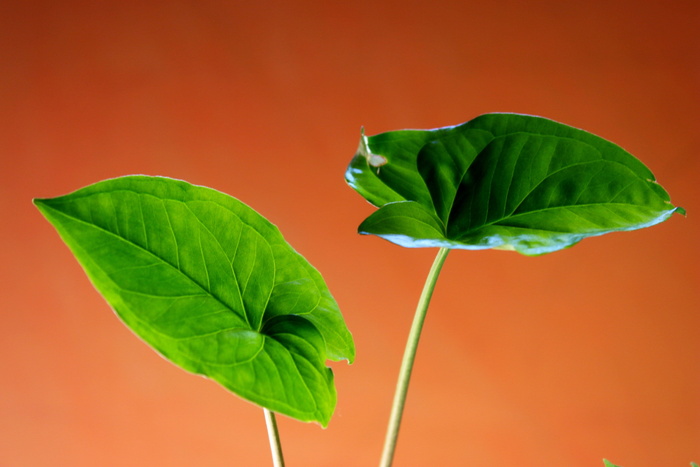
(559, 360)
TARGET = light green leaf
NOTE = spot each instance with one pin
(609, 464)
(503, 181)
(212, 286)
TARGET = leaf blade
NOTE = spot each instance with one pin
(200, 276)
(515, 182)
(403, 223)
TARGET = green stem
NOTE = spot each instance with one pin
(409, 357)
(274, 437)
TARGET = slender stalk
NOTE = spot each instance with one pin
(274, 437)
(409, 357)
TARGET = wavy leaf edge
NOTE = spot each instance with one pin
(292, 331)
(402, 166)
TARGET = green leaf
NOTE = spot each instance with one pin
(212, 286)
(504, 181)
(609, 464)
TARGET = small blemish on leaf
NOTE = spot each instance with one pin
(374, 160)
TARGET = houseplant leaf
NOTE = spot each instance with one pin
(212, 286)
(609, 464)
(504, 181)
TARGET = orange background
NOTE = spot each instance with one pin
(559, 360)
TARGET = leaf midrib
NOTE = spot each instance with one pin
(151, 253)
(154, 330)
(498, 221)
(548, 176)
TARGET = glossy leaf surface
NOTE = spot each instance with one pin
(212, 286)
(504, 181)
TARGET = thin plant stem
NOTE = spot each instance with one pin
(274, 437)
(409, 357)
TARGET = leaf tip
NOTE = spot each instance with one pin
(41, 204)
(350, 358)
(609, 464)
(363, 151)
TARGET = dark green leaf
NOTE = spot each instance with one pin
(212, 286)
(503, 181)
